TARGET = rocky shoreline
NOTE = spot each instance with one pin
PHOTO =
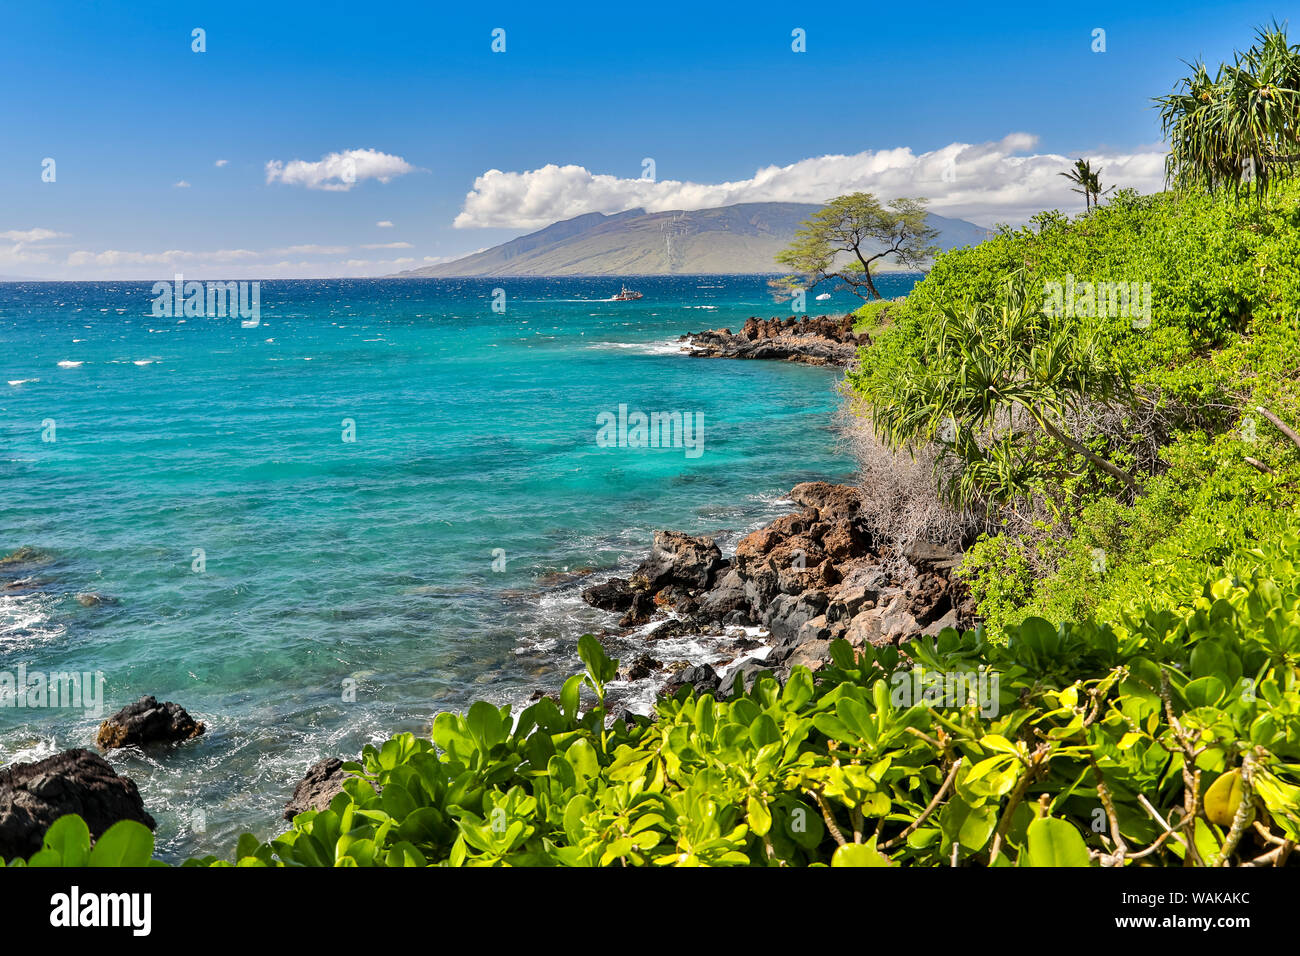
(803, 581)
(821, 340)
(34, 795)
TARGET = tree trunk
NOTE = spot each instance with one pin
(871, 286)
(866, 272)
(1082, 449)
(1280, 425)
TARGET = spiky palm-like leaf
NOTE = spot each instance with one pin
(1241, 127)
(984, 368)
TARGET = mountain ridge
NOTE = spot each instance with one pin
(740, 239)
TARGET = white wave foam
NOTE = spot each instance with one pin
(666, 347)
(37, 751)
(26, 621)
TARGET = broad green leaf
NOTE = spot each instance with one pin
(1055, 842)
(125, 843)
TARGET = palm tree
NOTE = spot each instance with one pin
(1081, 176)
(1094, 185)
(1088, 183)
(1240, 127)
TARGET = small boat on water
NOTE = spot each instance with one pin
(823, 297)
(626, 295)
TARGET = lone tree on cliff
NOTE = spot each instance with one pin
(844, 239)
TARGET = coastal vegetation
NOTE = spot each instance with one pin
(1087, 183)
(1172, 440)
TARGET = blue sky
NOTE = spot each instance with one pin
(115, 95)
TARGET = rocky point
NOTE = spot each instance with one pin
(808, 578)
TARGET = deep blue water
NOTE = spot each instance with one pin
(425, 561)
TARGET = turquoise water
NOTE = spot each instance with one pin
(427, 563)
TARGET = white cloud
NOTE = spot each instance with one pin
(31, 235)
(338, 172)
(119, 257)
(385, 224)
(222, 162)
(271, 263)
(387, 245)
(986, 183)
(26, 249)
(311, 249)
(182, 185)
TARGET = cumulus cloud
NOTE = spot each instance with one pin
(222, 162)
(119, 257)
(24, 248)
(31, 235)
(986, 183)
(338, 172)
(385, 224)
(182, 185)
(269, 263)
(310, 249)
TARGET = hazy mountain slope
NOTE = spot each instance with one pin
(744, 238)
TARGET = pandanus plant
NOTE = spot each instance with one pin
(1239, 128)
(991, 381)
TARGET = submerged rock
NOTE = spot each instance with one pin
(148, 722)
(34, 795)
(24, 555)
(642, 666)
(552, 579)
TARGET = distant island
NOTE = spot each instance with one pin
(740, 240)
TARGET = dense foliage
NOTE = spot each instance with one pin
(1210, 376)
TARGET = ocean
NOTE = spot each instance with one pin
(379, 503)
